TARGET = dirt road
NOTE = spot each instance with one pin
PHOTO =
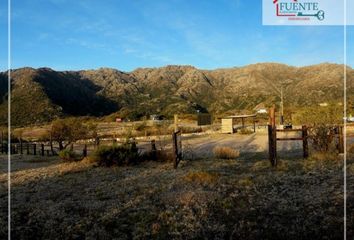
(256, 143)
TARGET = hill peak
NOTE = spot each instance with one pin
(167, 90)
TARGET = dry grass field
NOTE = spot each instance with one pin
(203, 199)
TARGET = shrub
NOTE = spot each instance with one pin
(120, 155)
(226, 153)
(351, 149)
(321, 161)
(332, 114)
(68, 155)
(245, 131)
(324, 156)
(322, 137)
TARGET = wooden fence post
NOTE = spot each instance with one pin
(134, 144)
(84, 151)
(175, 155)
(272, 137)
(340, 140)
(12, 149)
(47, 152)
(153, 149)
(270, 144)
(275, 159)
(272, 141)
(34, 149)
(51, 144)
(42, 149)
(254, 124)
(27, 148)
(21, 147)
(272, 116)
(2, 142)
(305, 145)
(177, 148)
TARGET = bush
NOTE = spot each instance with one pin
(245, 131)
(226, 153)
(126, 154)
(332, 114)
(68, 155)
(322, 161)
(351, 149)
(322, 137)
(324, 156)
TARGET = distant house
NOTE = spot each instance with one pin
(323, 104)
(263, 110)
(260, 108)
(119, 119)
(156, 117)
(350, 118)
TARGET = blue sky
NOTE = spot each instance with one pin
(126, 34)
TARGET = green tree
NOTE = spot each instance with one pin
(312, 116)
(67, 131)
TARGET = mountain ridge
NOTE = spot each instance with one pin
(166, 90)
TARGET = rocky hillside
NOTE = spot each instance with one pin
(39, 95)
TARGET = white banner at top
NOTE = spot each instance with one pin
(308, 12)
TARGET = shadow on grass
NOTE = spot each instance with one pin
(27, 162)
(247, 199)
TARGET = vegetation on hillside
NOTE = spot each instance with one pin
(41, 95)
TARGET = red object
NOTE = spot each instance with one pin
(284, 15)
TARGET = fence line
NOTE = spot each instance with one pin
(46, 149)
(272, 138)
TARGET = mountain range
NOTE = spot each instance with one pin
(43, 94)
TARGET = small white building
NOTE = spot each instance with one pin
(260, 108)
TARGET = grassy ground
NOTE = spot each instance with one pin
(202, 199)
